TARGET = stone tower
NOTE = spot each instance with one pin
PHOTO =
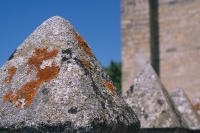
(167, 34)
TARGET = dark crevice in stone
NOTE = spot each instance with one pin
(101, 98)
(160, 102)
(12, 55)
(73, 110)
(68, 53)
(68, 61)
(164, 111)
(131, 88)
(130, 91)
(45, 91)
(146, 116)
(103, 105)
(64, 59)
(81, 65)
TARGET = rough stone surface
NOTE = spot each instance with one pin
(179, 30)
(185, 107)
(196, 105)
(152, 103)
(53, 83)
(135, 39)
(179, 44)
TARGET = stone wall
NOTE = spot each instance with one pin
(179, 23)
(135, 39)
(178, 55)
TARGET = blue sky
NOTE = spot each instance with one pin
(97, 21)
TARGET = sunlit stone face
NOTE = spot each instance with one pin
(53, 82)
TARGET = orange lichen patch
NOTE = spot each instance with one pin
(28, 91)
(110, 86)
(40, 55)
(12, 72)
(83, 44)
(85, 63)
(6, 80)
(196, 107)
(7, 96)
(28, 72)
(48, 73)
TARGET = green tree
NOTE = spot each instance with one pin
(114, 72)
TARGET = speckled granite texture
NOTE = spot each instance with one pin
(196, 105)
(53, 83)
(152, 103)
(186, 110)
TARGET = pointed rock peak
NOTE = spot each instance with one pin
(185, 107)
(53, 83)
(151, 102)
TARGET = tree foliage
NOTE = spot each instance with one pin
(114, 72)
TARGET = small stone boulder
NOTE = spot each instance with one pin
(152, 103)
(186, 109)
(53, 83)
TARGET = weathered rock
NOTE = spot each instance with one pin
(185, 107)
(196, 105)
(152, 103)
(53, 83)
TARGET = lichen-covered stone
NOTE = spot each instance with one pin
(196, 106)
(152, 103)
(53, 83)
(185, 107)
